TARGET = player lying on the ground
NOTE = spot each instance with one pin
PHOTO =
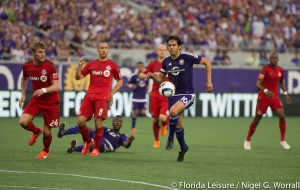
(112, 138)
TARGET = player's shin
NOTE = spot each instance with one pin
(133, 120)
(47, 142)
(85, 134)
(73, 130)
(172, 126)
(31, 127)
(155, 127)
(98, 137)
(180, 138)
(282, 127)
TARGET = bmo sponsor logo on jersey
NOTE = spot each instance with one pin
(43, 78)
(105, 73)
(34, 78)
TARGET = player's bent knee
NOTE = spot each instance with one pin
(23, 122)
(163, 118)
(173, 113)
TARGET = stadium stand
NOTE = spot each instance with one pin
(68, 27)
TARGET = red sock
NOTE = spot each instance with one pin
(155, 127)
(98, 137)
(282, 127)
(31, 127)
(47, 142)
(252, 129)
(85, 133)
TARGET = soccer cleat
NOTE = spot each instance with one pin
(156, 144)
(170, 144)
(61, 130)
(181, 154)
(72, 146)
(247, 145)
(95, 152)
(33, 138)
(133, 130)
(285, 145)
(86, 147)
(164, 130)
(42, 155)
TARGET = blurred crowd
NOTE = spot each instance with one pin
(65, 25)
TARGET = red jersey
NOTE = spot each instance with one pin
(41, 76)
(154, 67)
(270, 77)
(101, 76)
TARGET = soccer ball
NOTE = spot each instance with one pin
(167, 89)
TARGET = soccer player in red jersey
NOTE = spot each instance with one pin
(269, 77)
(45, 98)
(158, 104)
(99, 96)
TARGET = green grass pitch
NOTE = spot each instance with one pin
(216, 156)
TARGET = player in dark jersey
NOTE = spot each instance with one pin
(179, 67)
(99, 96)
(158, 104)
(268, 96)
(139, 89)
(112, 138)
(45, 98)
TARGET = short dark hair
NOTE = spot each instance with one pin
(140, 62)
(117, 117)
(176, 38)
(38, 45)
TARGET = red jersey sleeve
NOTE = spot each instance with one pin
(282, 75)
(85, 69)
(53, 72)
(116, 73)
(262, 73)
(25, 74)
(148, 68)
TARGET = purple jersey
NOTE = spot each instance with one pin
(112, 139)
(180, 71)
(139, 94)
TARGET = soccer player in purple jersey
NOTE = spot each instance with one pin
(112, 138)
(179, 67)
(139, 89)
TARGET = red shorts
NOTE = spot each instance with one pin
(50, 112)
(158, 105)
(96, 107)
(263, 104)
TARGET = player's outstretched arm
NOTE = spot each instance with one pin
(78, 74)
(207, 64)
(128, 143)
(158, 78)
(143, 75)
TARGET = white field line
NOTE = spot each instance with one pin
(92, 177)
(28, 187)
